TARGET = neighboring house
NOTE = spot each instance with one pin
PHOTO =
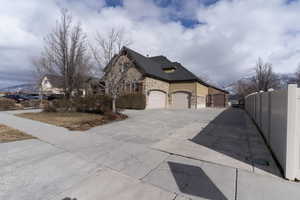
(53, 84)
(166, 84)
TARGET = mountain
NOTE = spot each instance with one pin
(286, 79)
(28, 88)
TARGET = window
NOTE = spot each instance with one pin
(137, 86)
(169, 69)
(122, 69)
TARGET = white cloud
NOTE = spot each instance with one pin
(233, 34)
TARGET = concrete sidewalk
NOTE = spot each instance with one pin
(155, 154)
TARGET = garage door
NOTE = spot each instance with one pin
(156, 99)
(180, 100)
(216, 100)
(219, 100)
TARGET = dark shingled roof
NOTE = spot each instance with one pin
(154, 67)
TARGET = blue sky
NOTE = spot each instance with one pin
(221, 40)
(177, 5)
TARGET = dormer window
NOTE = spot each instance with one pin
(169, 69)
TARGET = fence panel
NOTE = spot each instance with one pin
(256, 107)
(298, 129)
(277, 114)
(279, 125)
(265, 115)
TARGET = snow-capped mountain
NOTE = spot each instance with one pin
(28, 88)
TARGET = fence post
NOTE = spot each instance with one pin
(260, 109)
(269, 114)
(254, 106)
(291, 139)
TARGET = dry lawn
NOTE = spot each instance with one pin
(8, 134)
(69, 120)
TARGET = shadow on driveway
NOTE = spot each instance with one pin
(233, 134)
(193, 181)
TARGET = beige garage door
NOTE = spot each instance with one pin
(180, 100)
(156, 99)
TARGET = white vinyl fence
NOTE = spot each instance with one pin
(277, 114)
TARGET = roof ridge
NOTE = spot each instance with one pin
(126, 48)
(154, 67)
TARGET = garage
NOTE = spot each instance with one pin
(181, 100)
(216, 100)
(156, 99)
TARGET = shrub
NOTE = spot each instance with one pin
(131, 101)
(58, 105)
(49, 107)
(92, 104)
(31, 103)
(7, 104)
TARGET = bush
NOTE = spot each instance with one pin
(59, 105)
(91, 104)
(31, 103)
(7, 104)
(131, 101)
(49, 107)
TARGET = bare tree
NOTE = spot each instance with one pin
(39, 69)
(107, 55)
(107, 46)
(66, 54)
(243, 87)
(264, 77)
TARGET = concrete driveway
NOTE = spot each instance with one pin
(155, 154)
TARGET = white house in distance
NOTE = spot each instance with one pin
(51, 84)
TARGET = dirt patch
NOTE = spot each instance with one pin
(73, 120)
(8, 134)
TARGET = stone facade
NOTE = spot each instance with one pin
(202, 92)
(154, 84)
(214, 91)
(125, 71)
(123, 62)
